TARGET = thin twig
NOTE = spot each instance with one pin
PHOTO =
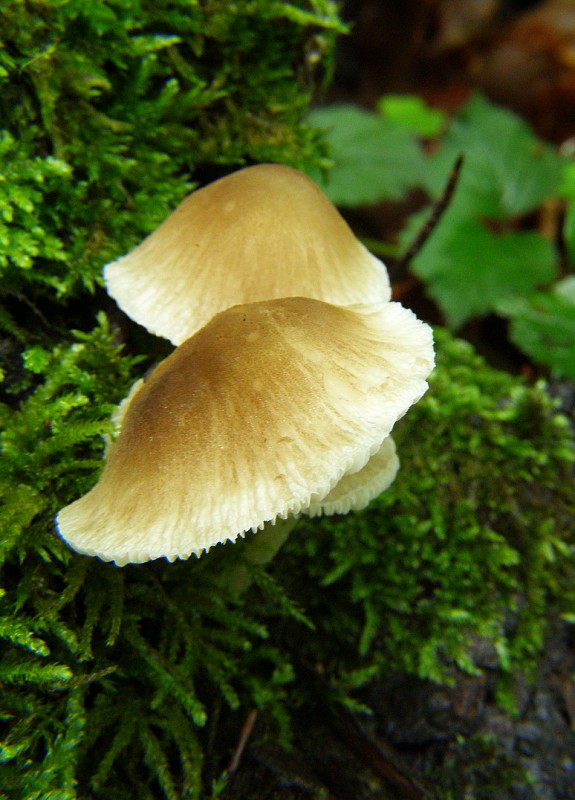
(381, 758)
(244, 737)
(436, 213)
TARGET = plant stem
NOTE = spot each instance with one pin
(260, 549)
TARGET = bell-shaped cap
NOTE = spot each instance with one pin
(258, 416)
(261, 233)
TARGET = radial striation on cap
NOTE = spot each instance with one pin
(261, 233)
(357, 489)
(257, 416)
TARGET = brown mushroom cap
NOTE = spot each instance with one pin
(261, 233)
(255, 417)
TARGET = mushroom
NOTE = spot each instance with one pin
(272, 409)
(261, 233)
(355, 490)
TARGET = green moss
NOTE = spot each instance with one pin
(480, 769)
(473, 538)
(133, 683)
(108, 676)
(121, 682)
(109, 109)
(111, 680)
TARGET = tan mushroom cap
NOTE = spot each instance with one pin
(356, 490)
(257, 416)
(261, 233)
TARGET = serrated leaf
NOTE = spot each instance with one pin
(470, 269)
(569, 228)
(507, 171)
(543, 326)
(413, 113)
(373, 158)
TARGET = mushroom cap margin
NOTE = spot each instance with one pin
(256, 417)
(263, 232)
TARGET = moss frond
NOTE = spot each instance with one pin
(474, 538)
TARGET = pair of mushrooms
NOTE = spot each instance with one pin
(290, 369)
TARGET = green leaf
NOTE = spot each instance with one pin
(543, 326)
(473, 261)
(569, 231)
(413, 113)
(567, 191)
(567, 188)
(373, 158)
(470, 269)
(507, 171)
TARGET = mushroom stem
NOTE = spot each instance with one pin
(259, 550)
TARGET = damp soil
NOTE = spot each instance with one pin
(424, 741)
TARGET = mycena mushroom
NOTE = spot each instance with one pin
(272, 409)
(261, 233)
